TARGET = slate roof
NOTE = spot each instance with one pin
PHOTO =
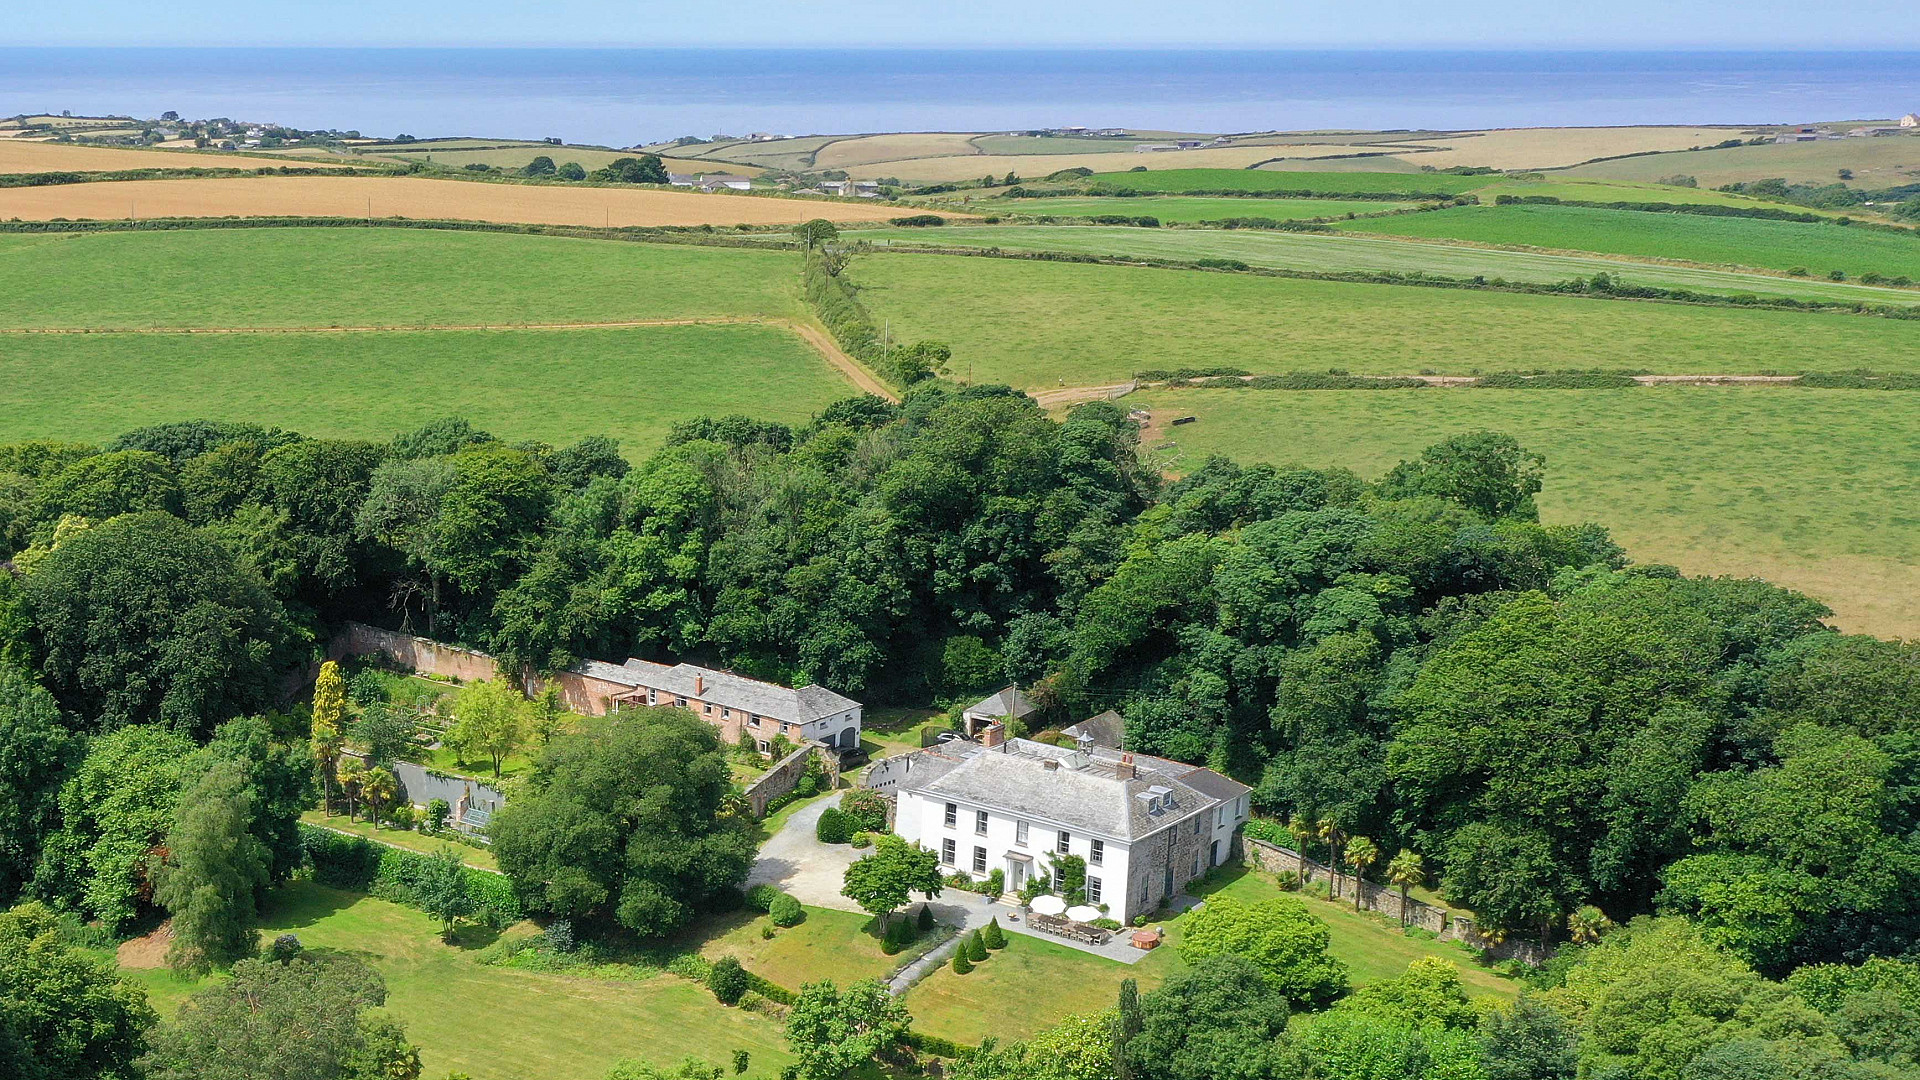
(1106, 729)
(1008, 702)
(1084, 792)
(795, 706)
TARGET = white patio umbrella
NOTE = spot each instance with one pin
(1048, 904)
(1083, 913)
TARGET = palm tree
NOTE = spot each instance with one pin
(379, 785)
(1361, 853)
(350, 772)
(1303, 832)
(1406, 869)
(1329, 832)
(1586, 925)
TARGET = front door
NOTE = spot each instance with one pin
(1018, 875)
(1216, 853)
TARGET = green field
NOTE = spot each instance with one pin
(1774, 245)
(551, 385)
(1327, 252)
(378, 276)
(1193, 207)
(1814, 489)
(1624, 191)
(1883, 162)
(1175, 181)
(1048, 324)
(497, 1023)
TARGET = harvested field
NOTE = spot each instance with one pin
(22, 156)
(1190, 208)
(933, 170)
(405, 197)
(1552, 148)
(1175, 181)
(517, 156)
(847, 153)
(1887, 161)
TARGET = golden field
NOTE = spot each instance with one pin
(27, 156)
(407, 197)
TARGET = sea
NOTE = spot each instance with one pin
(622, 97)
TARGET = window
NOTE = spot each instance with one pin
(1098, 853)
(946, 851)
(1196, 864)
(1093, 890)
(1061, 844)
(1199, 823)
(707, 707)
(725, 714)
(653, 696)
(1020, 834)
(980, 822)
(679, 702)
(1059, 879)
(979, 860)
(953, 815)
(762, 743)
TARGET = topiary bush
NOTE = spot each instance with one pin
(976, 947)
(898, 935)
(761, 897)
(960, 963)
(834, 828)
(925, 918)
(994, 937)
(785, 911)
(728, 980)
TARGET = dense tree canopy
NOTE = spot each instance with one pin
(63, 1014)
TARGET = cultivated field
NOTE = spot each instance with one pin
(1626, 191)
(1548, 148)
(1813, 489)
(1175, 181)
(1774, 245)
(1189, 209)
(1048, 324)
(1887, 161)
(517, 155)
(1032, 166)
(1327, 252)
(21, 156)
(406, 197)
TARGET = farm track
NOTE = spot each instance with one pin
(819, 340)
(1074, 395)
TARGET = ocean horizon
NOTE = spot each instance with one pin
(620, 97)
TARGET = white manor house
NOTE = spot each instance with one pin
(1146, 826)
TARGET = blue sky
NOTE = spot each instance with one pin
(1495, 24)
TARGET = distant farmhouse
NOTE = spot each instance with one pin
(733, 703)
(710, 182)
(1144, 826)
(1911, 120)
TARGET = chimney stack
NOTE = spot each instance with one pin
(699, 685)
(993, 735)
(1125, 769)
(1051, 764)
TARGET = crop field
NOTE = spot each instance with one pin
(21, 156)
(1064, 144)
(553, 385)
(1886, 161)
(320, 277)
(905, 146)
(1031, 166)
(1775, 245)
(515, 157)
(1548, 148)
(1625, 191)
(1814, 489)
(1327, 252)
(1175, 181)
(370, 196)
(1191, 208)
(1049, 324)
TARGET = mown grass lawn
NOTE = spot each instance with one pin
(1813, 489)
(556, 386)
(374, 277)
(408, 839)
(1776, 245)
(1041, 325)
(843, 946)
(498, 1023)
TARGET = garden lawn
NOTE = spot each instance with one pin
(1774, 245)
(374, 277)
(1190, 209)
(1346, 253)
(1813, 489)
(507, 1024)
(1175, 181)
(838, 945)
(1042, 325)
(403, 838)
(551, 385)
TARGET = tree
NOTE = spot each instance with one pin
(541, 165)
(1279, 937)
(1530, 1042)
(114, 810)
(63, 1014)
(144, 618)
(305, 1018)
(621, 820)
(329, 719)
(1361, 853)
(489, 718)
(866, 809)
(212, 872)
(572, 170)
(816, 232)
(546, 715)
(993, 936)
(1484, 471)
(1215, 1021)
(834, 1032)
(1586, 924)
(1304, 831)
(962, 964)
(385, 732)
(378, 786)
(36, 751)
(886, 879)
(1328, 830)
(108, 485)
(442, 890)
(728, 980)
(351, 772)
(645, 169)
(1406, 869)
(976, 948)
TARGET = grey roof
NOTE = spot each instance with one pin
(1008, 702)
(1106, 729)
(725, 688)
(1084, 791)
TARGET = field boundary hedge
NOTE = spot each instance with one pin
(357, 864)
(700, 235)
(60, 179)
(1101, 190)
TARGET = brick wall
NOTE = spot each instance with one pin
(420, 654)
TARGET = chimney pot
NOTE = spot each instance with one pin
(1125, 770)
(699, 684)
(993, 735)
(1052, 764)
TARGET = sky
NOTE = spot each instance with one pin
(1489, 24)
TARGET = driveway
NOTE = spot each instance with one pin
(798, 863)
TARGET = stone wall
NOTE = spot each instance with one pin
(418, 653)
(786, 773)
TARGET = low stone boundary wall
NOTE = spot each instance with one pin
(786, 773)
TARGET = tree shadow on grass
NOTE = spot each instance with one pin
(301, 904)
(470, 936)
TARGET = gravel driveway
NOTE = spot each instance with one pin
(800, 864)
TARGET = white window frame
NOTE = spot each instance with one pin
(952, 815)
(946, 851)
(980, 823)
(1097, 852)
(979, 859)
(1093, 890)
(1020, 833)
(1063, 842)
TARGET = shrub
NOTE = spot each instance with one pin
(976, 947)
(437, 811)
(960, 963)
(996, 884)
(741, 1059)
(356, 864)
(919, 221)
(866, 809)
(862, 840)
(1106, 924)
(761, 897)
(786, 911)
(925, 918)
(766, 933)
(689, 966)
(898, 933)
(728, 980)
(834, 828)
(401, 816)
(559, 936)
(807, 788)
(994, 937)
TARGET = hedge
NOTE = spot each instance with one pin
(357, 864)
(1593, 381)
(937, 1046)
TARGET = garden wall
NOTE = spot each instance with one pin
(785, 776)
(418, 653)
